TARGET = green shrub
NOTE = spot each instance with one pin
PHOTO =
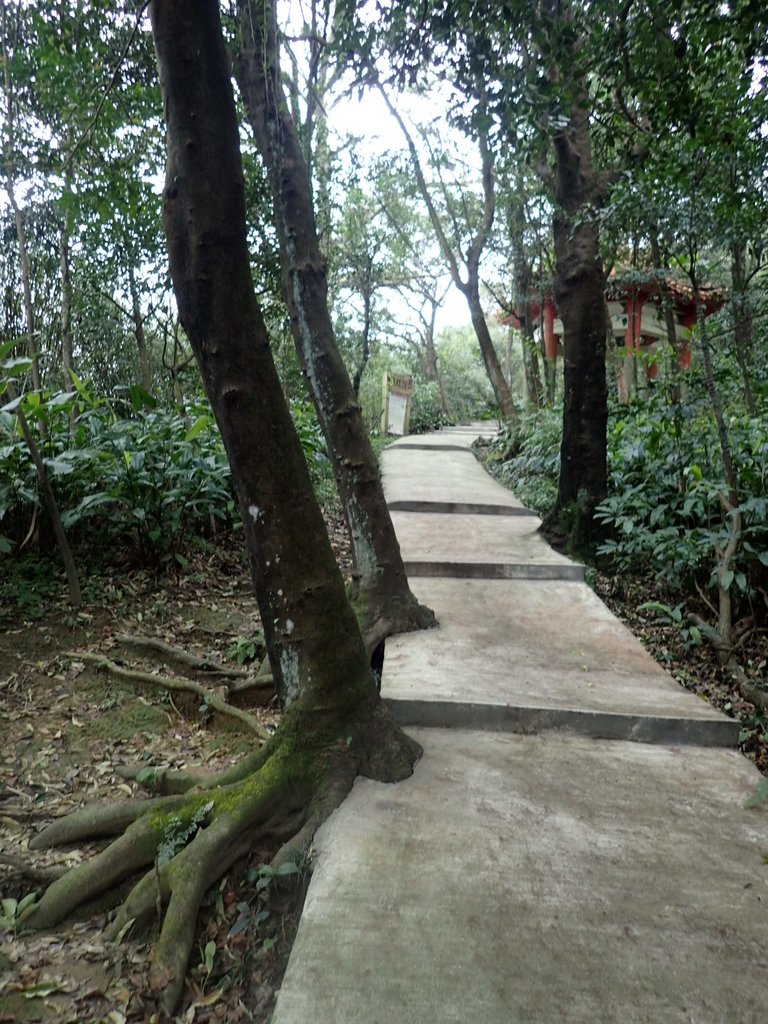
(525, 456)
(127, 475)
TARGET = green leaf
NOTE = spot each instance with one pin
(19, 364)
(726, 579)
(286, 868)
(201, 423)
(12, 405)
(141, 399)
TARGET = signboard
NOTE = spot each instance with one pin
(396, 403)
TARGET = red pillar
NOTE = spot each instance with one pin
(550, 340)
(634, 308)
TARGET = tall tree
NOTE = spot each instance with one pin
(380, 591)
(335, 725)
(457, 252)
(579, 191)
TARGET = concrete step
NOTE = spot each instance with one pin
(539, 880)
(438, 476)
(535, 655)
(499, 547)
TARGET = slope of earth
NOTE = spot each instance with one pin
(690, 660)
(73, 734)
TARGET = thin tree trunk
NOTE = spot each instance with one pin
(381, 592)
(138, 329)
(741, 307)
(365, 354)
(67, 346)
(730, 501)
(469, 286)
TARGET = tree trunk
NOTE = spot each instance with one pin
(298, 585)
(522, 272)
(730, 502)
(580, 298)
(67, 347)
(365, 354)
(741, 307)
(431, 369)
(487, 348)
(579, 295)
(381, 592)
(138, 329)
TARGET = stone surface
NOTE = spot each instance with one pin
(539, 879)
(532, 644)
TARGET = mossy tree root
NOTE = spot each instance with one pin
(183, 844)
(97, 820)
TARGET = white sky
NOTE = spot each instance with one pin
(370, 119)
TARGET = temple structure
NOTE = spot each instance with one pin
(636, 320)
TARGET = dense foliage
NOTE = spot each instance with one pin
(130, 476)
(663, 512)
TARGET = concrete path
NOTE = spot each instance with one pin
(573, 846)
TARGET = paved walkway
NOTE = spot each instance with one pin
(573, 846)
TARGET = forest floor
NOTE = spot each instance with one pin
(69, 729)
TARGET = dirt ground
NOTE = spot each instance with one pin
(70, 729)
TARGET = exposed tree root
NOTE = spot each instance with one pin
(383, 617)
(97, 820)
(166, 781)
(22, 869)
(183, 844)
(184, 658)
(749, 690)
(177, 685)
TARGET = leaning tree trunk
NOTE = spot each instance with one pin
(335, 725)
(380, 592)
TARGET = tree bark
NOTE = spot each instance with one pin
(380, 590)
(67, 346)
(579, 295)
(743, 335)
(298, 585)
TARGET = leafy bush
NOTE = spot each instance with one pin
(145, 480)
(426, 413)
(525, 456)
(664, 510)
